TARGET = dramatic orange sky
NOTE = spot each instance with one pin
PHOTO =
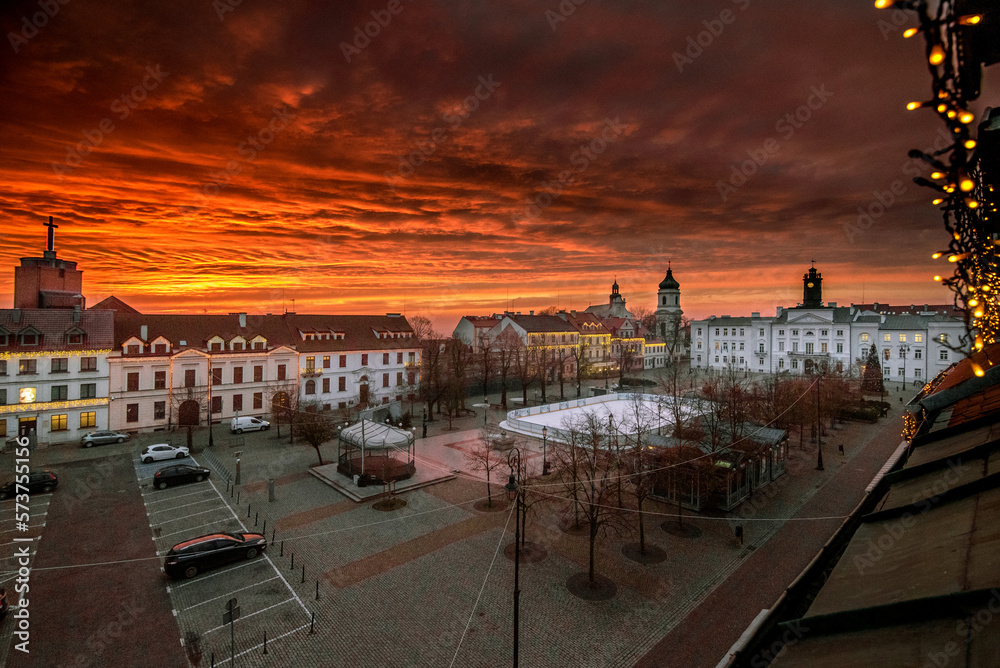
(202, 156)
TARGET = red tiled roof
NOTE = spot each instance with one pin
(542, 323)
(54, 324)
(112, 303)
(976, 406)
(963, 370)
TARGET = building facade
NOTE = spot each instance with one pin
(814, 337)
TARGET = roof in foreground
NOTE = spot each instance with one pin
(918, 582)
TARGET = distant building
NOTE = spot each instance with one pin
(615, 308)
(814, 336)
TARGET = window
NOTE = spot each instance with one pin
(215, 346)
(88, 364)
(824, 332)
(901, 372)
(864, 337)
(60, 422)
(918, 354)
(918, 338)
(237, 345)
(310, 386)
(725, 331)
(88, 419)
(27, 367)
(840, 347)
(385, 380)
(716, 345)
(840, 332)
(237, 375)
(716, 359)
(916, 373)
(943, 338)
(326, 385)
(364, 359)
(88, 390)
(741, 345)
(795, 346)
(760, 347)
(342, 384)
(258, 374)
(28, 339)
(258, 400)
(159, 380)
(411, 378)
(781, 332)
(3, 367)
(326, 361)
(132, 381)
(795, 332)
(399, 378)
(237, 403)
(887, 337)
(795, 364)
(412, 358)
(310, 364)
(944, 355)
(699, 345)
(258, 345)
(781, 346)
(60, 365)
(217, 376)
(781, 364)
(399, 358)
(809, 347)
(159, 410)
(189, 377)
(132, 412)
(741, 331)
(760, 332)
(160, 348)
(133, 349)
(902, 338)
(385, 356)
(216, 404)
(281, 372)
(343, 361)
(823, 347)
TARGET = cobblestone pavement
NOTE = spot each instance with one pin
(429, 585)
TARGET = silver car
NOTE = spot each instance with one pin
(103, 438)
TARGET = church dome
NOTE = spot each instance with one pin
(668, 282)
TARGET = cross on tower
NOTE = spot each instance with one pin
(51, 241)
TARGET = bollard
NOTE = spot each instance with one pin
(270, 489)
(264, 529)
(213, 659)
(256, 516)
(317, 590)
(303, 573)
(311, 623)
(237, 497)
(248, 511)
(265, 642)
(272, 537)
(282, 549)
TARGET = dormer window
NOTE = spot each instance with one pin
(133, 349)
(29, 339)
(215, 346)
(75, 339)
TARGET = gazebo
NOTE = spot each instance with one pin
(373, 453)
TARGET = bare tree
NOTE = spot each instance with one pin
(639, 420)
(508, 346)
(645, 316)
(583, 367)
(422, 328)
(315, 426)
(485, 457)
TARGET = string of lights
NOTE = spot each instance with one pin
(960, 36)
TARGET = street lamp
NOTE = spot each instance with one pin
(486, 411)
(514, 492)
(659, 419)
(819, 428)
(545, 462)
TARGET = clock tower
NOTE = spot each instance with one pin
(812, 289)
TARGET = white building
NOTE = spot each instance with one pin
(815, 336)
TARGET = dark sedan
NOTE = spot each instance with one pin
(178, 475)
(38, 481)
(189, 558)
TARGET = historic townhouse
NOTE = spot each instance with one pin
(594, 341)
(551, 340)
(54, 372)
(180, 370)
(813, 336)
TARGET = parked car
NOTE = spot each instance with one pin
(163, 451)
(178, 475)
(43, 481)
(189, 558)
(247, 423)
(103, 438)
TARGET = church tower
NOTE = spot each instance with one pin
(668, 309)
(812, 289)
(48, 282)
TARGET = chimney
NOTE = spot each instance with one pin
(778, 311)
(143, 332)
(573, 313)
(832, 304)
(531, 313)
(15, 315)
(243, 319)
(76, 314)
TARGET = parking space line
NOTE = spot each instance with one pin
(259, 645)
(229, 594)
(179, 496)
(177, 519)
(268, 559)
(212, 575)
(244, 617)
(194, 503)
(14, 519)
(190, 529)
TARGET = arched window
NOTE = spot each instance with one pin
(864, 337)
(310, 386)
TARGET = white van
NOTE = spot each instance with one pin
(242, 424)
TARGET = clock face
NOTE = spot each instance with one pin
(809, 285)
(27, 395)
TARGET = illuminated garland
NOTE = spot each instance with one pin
(967, 200)
(38, 406)
(25, 354)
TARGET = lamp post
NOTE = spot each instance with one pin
(486, 411)
(659, 418)
(545, 461)
(819, 427)
(514, 491)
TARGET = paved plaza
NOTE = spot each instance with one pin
(427, 584)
